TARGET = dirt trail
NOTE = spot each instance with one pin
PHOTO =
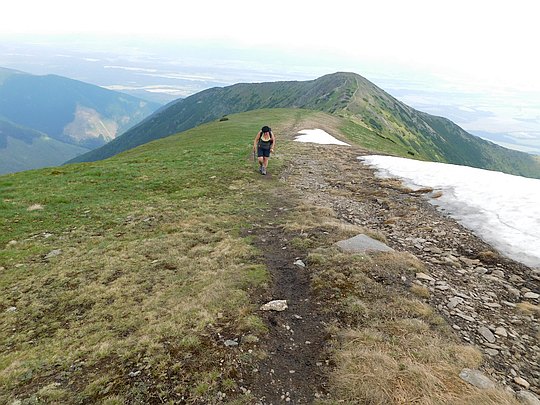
(296, 367)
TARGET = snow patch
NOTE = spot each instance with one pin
(318, 136)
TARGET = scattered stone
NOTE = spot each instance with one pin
(275, 305)
(35, 207)
(492, 352)
(522, 382)
(12, 243)
(476, 378)
(487, 334)
(454, 302)
(361, 244)
(299, 263)
(527, 397)
(11, 309)
(53, 253)
(498, 273)
(134, 373)
(514, 278)
(466, 317)
(514, 291)
(500, 331)
(231, 343)
(481, 270)
(531, 295)
(424, 276)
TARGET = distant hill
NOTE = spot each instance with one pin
(67, 111)
(23, 149)
(377, 120)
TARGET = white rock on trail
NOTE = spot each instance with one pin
(275, 305)
(531, 295)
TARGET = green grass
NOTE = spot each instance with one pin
(153, 269)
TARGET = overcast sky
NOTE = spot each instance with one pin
(488, 42)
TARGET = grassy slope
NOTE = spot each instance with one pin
(154, 274)
(151, 255)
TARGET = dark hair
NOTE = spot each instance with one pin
(266, 129)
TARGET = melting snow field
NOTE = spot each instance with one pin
(318, 136)
(502, 209)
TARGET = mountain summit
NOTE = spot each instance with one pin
(376, 119)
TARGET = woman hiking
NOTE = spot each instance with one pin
(264, 143)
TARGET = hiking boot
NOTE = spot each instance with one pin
(263, 171)
(260, 169)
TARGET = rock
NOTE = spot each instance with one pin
(492, 352)
(134, 373)
(275, 305)
(522, 382)
(514, 278)
(498, 273)
(500, 331)
(231, 343)
(53, 253)
(527, 397)
(361, 244)
(469, 262)
(466, 317)
(454, 302)
(480, 270)
(424, 276)
(531, 295)
(514, 291)
(299, 263)
(476, 378)
(11, 309)
(487, 334)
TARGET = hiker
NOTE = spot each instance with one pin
(264, 143)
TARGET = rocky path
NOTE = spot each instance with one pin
(490, 301)
(295, 368)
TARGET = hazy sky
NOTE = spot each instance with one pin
(483, 42)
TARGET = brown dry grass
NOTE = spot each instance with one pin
(391, 348)
(528, 308)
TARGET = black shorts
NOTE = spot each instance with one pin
(261, 152)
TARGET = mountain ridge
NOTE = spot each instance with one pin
(401, 129)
